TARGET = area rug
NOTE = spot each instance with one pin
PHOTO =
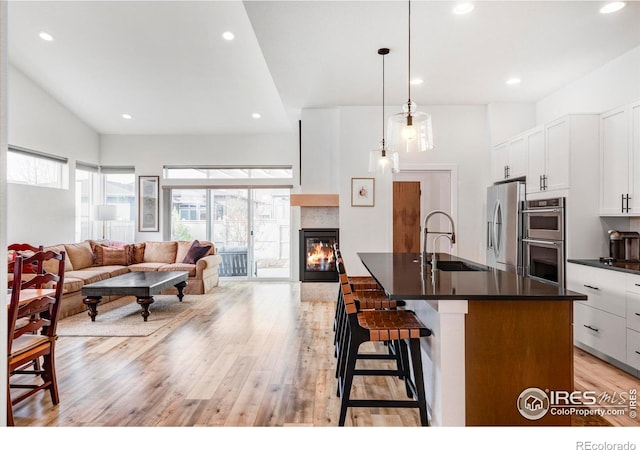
(122, 317)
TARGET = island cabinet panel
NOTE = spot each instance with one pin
(511, 346)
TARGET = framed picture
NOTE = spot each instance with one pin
(363, 191)
(148, 203)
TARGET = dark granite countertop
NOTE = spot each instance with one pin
(401, 276)
(629, 267)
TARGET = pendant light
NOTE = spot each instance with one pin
(382, 161)
(410, 130)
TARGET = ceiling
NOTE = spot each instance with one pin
(165, 63)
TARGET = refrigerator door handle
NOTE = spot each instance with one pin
(497, 229)
(489, 232)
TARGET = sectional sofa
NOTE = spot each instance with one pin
(90, 261)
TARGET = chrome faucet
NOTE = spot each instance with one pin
(434, 260)
(451, 234)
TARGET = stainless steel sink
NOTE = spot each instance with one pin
(458, 266)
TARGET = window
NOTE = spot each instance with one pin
(120, 190)
(105, 185)
(87, 197)
(30, 167)
(228, 172)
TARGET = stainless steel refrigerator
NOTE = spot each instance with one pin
(504, 226)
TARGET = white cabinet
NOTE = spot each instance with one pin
(609, 321)
(558, 148)
(536, 160)
(620, 161)
(510, 159)
(633, 349)
(600, 330)
(606, 289)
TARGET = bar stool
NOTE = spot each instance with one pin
(366, 299)
(380, 326)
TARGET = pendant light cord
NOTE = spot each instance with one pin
(409, 69)
(383, 149)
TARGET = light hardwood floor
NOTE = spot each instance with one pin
(251, 354)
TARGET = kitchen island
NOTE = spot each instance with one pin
(501, 342)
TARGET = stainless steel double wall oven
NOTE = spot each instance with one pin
(544, 240)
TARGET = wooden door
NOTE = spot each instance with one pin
(406, 216)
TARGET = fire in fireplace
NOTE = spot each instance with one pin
(317, 261)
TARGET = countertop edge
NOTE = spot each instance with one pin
(599, 265)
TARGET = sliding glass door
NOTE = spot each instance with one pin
(249, 227)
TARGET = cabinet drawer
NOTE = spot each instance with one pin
(606, 289)
(633, 283)
(600, 330)
(633, 311)
(633, 349)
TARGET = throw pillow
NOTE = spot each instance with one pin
(138, 253)
(111, 256)
(196, 252)
(80, 254)
(160, 251)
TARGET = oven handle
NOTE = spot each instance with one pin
(534, 241)
(542, 210)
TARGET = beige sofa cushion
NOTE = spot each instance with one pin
(183, 249)
(51, 266)
(72, 285)
(88, 275)
(146, 267)
(80, 255)
(191, 268)
(160, 252)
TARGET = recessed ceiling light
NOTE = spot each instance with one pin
(417, 81)
(612, 7)
(45, 36)
(126, 116)
(256, 115)
(513, 81)
(463, 8)
(228, 36)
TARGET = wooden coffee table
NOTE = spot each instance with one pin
(143, 285)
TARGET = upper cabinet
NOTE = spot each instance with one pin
(537, 160)
(620, 161)
(510, 159)
(546, 155)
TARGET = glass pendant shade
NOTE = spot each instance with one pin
(383, 162)
(410, 131)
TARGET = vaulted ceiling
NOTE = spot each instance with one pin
(166, 64)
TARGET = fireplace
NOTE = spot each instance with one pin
(317, 261)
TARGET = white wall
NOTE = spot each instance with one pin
(320, 150)
(150, 153)
(461, 140)
(39, 122)
(508, 119)
(614, 84)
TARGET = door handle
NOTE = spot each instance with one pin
(591, 328)
(627, 198)
(489, 240)
(622, 205)
(591, 287)
(541, 188)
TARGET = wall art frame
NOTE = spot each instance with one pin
(148, 203)
(363, 191)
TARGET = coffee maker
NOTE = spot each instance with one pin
(624, 245)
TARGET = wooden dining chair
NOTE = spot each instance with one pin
(26, 250)
(35, 337)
